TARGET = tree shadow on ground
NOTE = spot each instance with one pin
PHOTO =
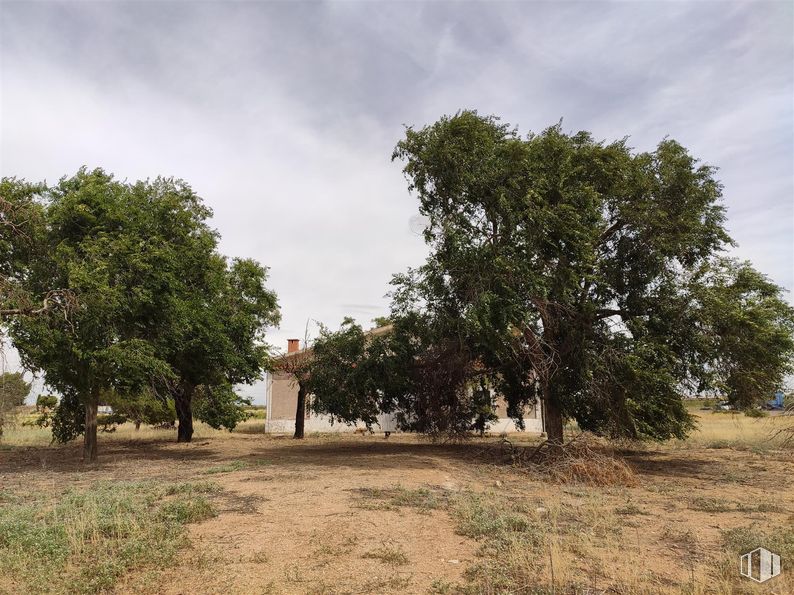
(364, 453)
(163, 457)
(669, 465)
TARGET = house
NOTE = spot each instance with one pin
(282, 399)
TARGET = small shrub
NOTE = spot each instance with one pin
(260, 557)
(256, 413)
(629, 510)
(227, 467)
(760, 507)
(709, 505)
(186, 511)
(588, 460)
(779, 539)
(478, 518)
(422, 499)
(755, 413)
(393, 556)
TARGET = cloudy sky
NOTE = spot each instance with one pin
(283, 115)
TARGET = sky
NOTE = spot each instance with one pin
(283, 115)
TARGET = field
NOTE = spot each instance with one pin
(244, 512)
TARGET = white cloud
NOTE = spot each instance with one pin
(283, 116)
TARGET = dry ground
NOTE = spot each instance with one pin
(360, 514)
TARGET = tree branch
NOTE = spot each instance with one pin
(56, 299)
(610, 231)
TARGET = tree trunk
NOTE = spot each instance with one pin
(552, 418)
(89, 435)
(183, 402)
(300, 411)
(137, 425)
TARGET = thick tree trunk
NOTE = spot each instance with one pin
(552, 418)
(184, 411)
(300, 411)
(89, 436)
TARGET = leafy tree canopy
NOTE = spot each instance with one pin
(13, 390)
(159, 309)
(585, 274)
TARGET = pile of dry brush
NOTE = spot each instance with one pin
(586, 459)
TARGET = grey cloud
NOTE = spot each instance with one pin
(284, 115)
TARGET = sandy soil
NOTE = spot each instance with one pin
(292, 519)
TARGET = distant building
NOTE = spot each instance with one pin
(281, 401)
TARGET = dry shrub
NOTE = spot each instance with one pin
(586, 459)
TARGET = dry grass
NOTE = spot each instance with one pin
(737, 431)
(590, 461)
(19, 435)
(584, 459)
(359, 514)
(83, 540)
(393, 556)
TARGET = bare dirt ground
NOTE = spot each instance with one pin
(296, 517)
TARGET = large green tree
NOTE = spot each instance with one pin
(21, 226)
(206, 315)
(13, 391)
(571, 268)
(213, 336)
(88, 246)
(160, 311)
(412, 369)
(749, 328)
(339, 377)
(297, 367)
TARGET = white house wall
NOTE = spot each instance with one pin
(322, 423)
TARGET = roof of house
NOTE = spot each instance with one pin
(374, 332)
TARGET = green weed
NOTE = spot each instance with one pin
(393, 556)
(226, 467)
(83, 541)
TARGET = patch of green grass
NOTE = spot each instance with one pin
(704, 504)
(513, 541)
(393, 556)
(226, 468)
(512, 538)
(83, 541)
(422, 499)
(760, 507)
(755, 413)
(629, 509)
(479, 517)
(7, 497)
(778, 539)
(182, 512)
(260, 557)
(191, 488)
(442, 587)
(741, 540)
